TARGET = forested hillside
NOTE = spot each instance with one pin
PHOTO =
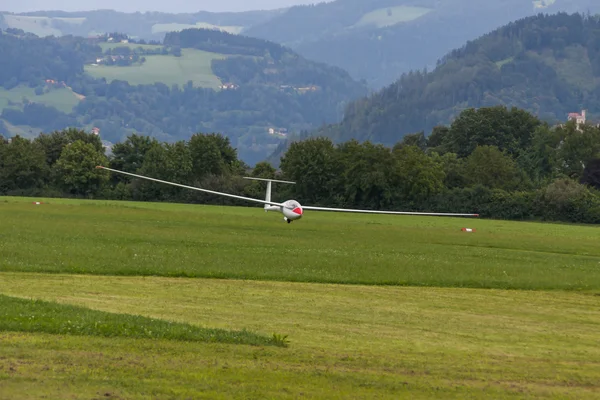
(498, 162)
(378, 40)
(197, 80)
(548, 65)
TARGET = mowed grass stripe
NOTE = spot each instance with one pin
(345, 341)
(123, 238)
(34, 315)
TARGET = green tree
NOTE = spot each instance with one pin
(314, 166)
(22, 165)
(54, 143)
(212, 154)
(166, 161)
(417, 176)
(566, 200)
(539, 160)
(577, 148)
(76, 169)
(129, 155)
(492, 168)
(263, 169)
(454, 169)
(438, 136)
(509, 130)
(366, 174)
(414, 139)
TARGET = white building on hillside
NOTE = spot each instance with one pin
(578, 118)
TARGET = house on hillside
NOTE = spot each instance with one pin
(578, 118)
(581, 119)
(95, 131)
(229, 86)
(56, 84)
(281, 132)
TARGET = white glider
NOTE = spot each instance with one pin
(291, 209)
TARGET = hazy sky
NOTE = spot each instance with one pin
(172, 6)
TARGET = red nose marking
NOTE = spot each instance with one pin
(297, 210)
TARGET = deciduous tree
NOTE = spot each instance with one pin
(76, 169)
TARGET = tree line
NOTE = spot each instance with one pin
(498, 162)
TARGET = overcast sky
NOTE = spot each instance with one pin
(171, 6)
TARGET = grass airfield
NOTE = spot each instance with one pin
(372, 306)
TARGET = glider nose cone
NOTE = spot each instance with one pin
(297, 210)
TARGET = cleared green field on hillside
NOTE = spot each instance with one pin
(62, 99)
(41, 26)
(112, 238)
(161, 28)
(105, 46)
(194, 65)
(22, 130)
(392, 15)
(543, 3)
(358, 341)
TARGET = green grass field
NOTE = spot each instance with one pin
(372, 306)
(62, 99)
(194, 65)
(391, 16)
(109, 238)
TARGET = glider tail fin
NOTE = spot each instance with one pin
(269, 186)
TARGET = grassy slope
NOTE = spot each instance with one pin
(41, 26)
(359, 341)
(105, 46)
(21, 130)
(194, 65)
(380, 18)
(202, 241)
(63, 99)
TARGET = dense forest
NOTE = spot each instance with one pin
(267, 76)
(548, 65)
(498, 162)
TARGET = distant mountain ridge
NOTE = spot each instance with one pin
(375, 40)
(548, 65)
(148, 25)
(379, 40)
